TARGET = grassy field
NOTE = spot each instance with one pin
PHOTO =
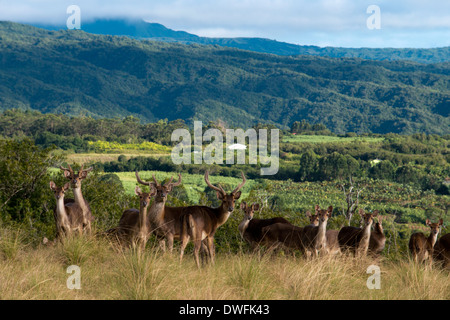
(324, 139)
(194, 183)
(108, 272)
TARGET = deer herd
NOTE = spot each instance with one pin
(200, 223)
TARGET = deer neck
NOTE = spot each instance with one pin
(431, 240)
(156, 213)
(143, 220)
(243, 226)
(79, 199)
(61, 213)
(364, 242)
(222, 214)
(321, 234)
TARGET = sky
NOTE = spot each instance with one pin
(338, 23)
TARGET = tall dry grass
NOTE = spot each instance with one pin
(108, 272)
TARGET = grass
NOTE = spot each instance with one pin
(40, 272)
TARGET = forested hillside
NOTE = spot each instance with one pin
(76, 73)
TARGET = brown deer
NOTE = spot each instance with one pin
(200, 223)
(251, 229)
(134, 226)
(354, 239)
(377, 240)
(420, 246)
(75, 183)
(68, 216)
(287, 235)
(442, 250)
(314, 238)
(165, 222)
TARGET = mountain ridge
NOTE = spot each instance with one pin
(74, 72)
(141, 29)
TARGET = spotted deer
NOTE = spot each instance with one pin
(75, 183)
(420, 246)
(68, 216)
(356, 240)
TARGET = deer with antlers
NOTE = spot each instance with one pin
(420, 246)
(134, 226)
(75, 183)
(251, 229)
(68, 216)
(165, 222)
(200, 223)
(357, 239)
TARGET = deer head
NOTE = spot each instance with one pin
(249, 210)
(75, 178)
(367, 217)
(228, 199)
(144, 197)
(59, 191)
(161, 191)
(323, 214)
(435, 227)
(313, 218)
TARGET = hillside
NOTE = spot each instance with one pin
(73, 72)
(140, 29)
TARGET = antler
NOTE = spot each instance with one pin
(241, 185)
(218, 189)
(67, 169)
(176, 183)
(85, 170)
(143, 182)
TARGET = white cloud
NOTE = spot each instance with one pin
(337, 21)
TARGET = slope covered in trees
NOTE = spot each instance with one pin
(73, 72)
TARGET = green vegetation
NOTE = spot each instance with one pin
(76, 73)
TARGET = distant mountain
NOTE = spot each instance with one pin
(74, 72)
(140, 29)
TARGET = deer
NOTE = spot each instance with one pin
(286, 235)
(200, 223)
(377, 240)
(165, 222)
(357, 239)
(420, 246)
(68, 216)
(250, 229)
(314, 238)
(134, 226)
(75, 182)
(442, 250)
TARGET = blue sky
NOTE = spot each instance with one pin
(404, 23)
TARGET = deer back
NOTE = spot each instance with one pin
(287, 234)
(332, 241)
(254, 232)
(349, 237)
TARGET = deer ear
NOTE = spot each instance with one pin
(243, 205)
(330, 209)
(375, 213)
(308, 214)
(237, 195)
(66, 186)
(219, 195)
(317, 208)
(441, 222)
(67, 174)
(52, 185)
(427, 222)
(255, 206)
(137, 191)
(361, 212)
(153, 191)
